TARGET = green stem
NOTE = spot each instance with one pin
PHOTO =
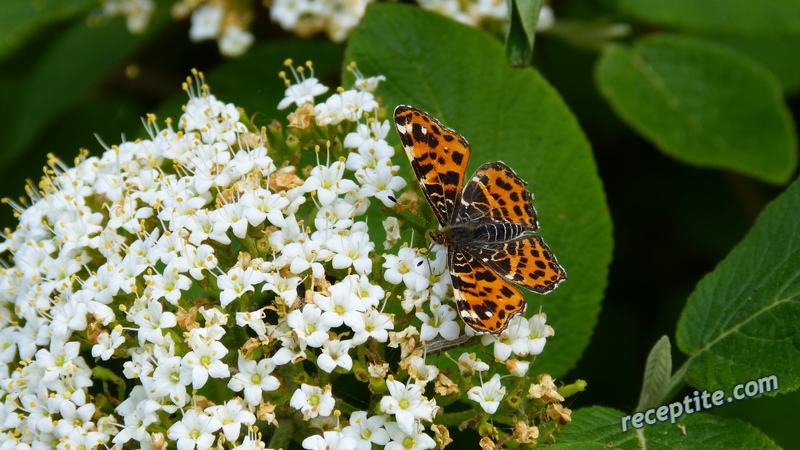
(676, 382)
(457, 418)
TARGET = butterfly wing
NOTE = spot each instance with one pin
(438, 155)
(526, 261)
(486, 301)
(496, 203)
(496, 194)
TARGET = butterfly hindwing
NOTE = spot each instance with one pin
(438, 156)
(526, 261)
(485, 300)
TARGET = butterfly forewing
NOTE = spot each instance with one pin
(438, 156)
(485, 300)
(526, 261)
(496, 194)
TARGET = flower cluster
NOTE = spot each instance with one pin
(216, 284)
(228, 22)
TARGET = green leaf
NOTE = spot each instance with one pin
(657, 374)
(20, 19)
(61, 78)
(776, 53)
(698, 430)
(506, 114)
(741, 323)
(771, 17)
(703, 104)
(523, 17)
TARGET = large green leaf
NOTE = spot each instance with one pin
(697, 430)
(741, 323)
(512, 115)
(703, 104)
(730, 16)
(776, 53)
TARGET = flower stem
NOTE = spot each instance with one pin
(457, 418)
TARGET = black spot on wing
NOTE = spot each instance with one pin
(458, 157)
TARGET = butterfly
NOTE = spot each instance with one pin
(485, 226)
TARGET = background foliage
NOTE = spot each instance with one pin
(691, 128)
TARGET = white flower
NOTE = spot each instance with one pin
(308, 325)
(349, 105)
(57, 362)
(254, 378)
(517, 368)
(381, 182)
(538, 332)
(334, 353)
(262, 205)
(513, 339)
(369, 294)
(151, 319)
(372, 324)
(328, 182)
(195, 430)
(336, 216)
(330, 440)
(341, 307)
(286, 288)
(169, 284)
(489, 394)
(306, 88)
(402, 268)
(107, 343)
(167, 381)
(254, 320)
(231, 415)
(205, 22)
(440, 322)
(137, 14)
(469, 364)
(235, 41)
(138, 412)
(74, 418)
(421, 372)
(407, 404)
(368, 84)
(313, 401)
(402, 439)
(366, 431)
(236, 282)
(204, 360)
(352, 250)
(251, 442)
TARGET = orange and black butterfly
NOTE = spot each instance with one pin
(485, 226)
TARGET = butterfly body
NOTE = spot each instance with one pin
(486, 226)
